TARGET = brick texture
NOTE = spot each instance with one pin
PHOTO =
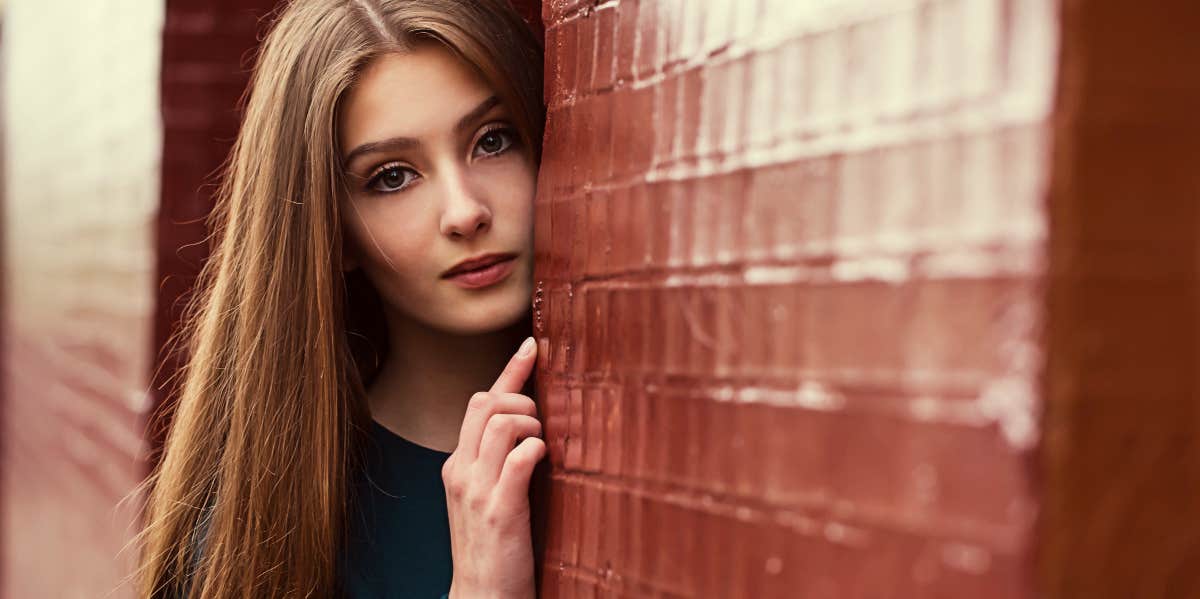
(791, 259)
(81, 188)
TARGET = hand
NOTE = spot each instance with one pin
(487, 488)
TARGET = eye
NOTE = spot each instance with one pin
(391, 178)
(494, 141)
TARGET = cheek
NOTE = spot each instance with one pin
(385, 239)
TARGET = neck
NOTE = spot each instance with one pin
(429, 375)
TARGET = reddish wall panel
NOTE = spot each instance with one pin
(789, 297)
(1122, 452)
(208, 52)
(531, 11)
(80, 189)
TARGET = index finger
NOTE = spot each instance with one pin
(512, 379)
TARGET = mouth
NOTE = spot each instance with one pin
(484, 274)
(477, 263)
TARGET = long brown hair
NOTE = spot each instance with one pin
(264, 436)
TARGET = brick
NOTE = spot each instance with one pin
(814, 263)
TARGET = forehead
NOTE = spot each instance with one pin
(419, 93)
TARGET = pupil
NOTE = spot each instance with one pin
(392, 177)
(491, 142)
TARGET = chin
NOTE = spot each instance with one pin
(489, 318)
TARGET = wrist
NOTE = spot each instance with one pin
(461, 590)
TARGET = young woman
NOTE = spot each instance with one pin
(387, 161)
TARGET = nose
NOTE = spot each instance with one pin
(464, 214)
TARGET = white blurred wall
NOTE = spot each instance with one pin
(82, 145)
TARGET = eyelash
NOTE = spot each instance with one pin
(377, 174)
(507, 131)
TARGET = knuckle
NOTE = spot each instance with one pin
(454, 488)
(528, 406)
(515, 403)
(492, 519)
(477, 502)
(453, 479)
(533, 455)
(520, 460)
(539, 446)
(479, 400)
(498, 512)
(528, 424)
(500, 424)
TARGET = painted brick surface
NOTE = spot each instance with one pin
(531, 11)
(82, 161)
(789, 296)
(208, 50)
(1122, 452)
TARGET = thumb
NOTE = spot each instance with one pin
(512, 379)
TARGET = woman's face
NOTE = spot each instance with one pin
(437, 175)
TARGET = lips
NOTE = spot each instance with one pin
(476, 263)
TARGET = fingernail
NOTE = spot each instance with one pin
(527, 347)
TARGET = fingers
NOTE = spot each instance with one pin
(519, 465)
(502, 433)
(480, 409)
(512, 379)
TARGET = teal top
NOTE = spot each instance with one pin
(399, 534)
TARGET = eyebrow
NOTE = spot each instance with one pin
(404, 143)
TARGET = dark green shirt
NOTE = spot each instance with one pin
(399, 543)
(399, 532)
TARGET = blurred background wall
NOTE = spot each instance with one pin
(123, 112)
(82, 147)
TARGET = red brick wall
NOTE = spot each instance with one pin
(208, 51)
(1122, 453)
(790, 278)
(531, 11)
